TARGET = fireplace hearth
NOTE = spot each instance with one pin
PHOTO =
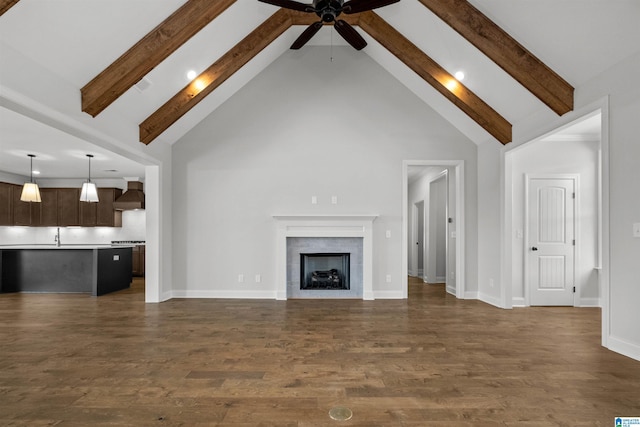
(324, 271)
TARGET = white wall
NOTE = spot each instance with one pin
(618, 94)
(490, 282)
(574, 157)
(305, 126)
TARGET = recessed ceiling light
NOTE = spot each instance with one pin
(191, 74)
(459, 75)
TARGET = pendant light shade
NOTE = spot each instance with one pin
(89, 191)
(30, 190)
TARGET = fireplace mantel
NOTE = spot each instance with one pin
(324, 226)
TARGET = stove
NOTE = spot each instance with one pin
(127, 242)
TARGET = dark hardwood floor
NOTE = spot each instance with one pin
(431, 360)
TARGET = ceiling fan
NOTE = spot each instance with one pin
(328, 11)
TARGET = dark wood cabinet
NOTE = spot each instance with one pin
(6, 203)
(45, 214)
(88, 214)
(68, 207)
(138, 260)
(106, 216)
(21, 210)
(60, 207)
(102, 214)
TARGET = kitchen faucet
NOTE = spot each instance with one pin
(57, 238)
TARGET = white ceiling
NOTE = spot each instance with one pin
(68, 42)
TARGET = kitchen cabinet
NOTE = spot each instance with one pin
(21, 210)
(6, 203)
(138, 260)
(60, 207)
(101, 214)
(68, 206)
(45, 213)
(106, 215)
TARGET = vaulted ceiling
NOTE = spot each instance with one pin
(187, 21)
(128, 58)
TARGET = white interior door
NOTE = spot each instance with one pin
(551, 251)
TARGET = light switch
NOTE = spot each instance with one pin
(240, 278)
(314, 200)
(388, 278)
(334, 200)
(258, 278)
(388, 234)
(636, 229)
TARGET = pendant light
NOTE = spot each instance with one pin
(30, 190)
(89, 192)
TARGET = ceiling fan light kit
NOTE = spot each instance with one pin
(328, 11)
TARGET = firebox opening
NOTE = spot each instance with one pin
(324, 271)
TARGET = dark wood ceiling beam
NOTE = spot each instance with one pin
(6, 5)
(506, 52)
(436, 76)
(150, 51)
(215, 75)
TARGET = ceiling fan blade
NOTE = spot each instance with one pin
(290, 4)
(349, 34)
(355, 6)
(306, 35)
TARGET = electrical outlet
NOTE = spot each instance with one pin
(240, 278)
(116, 257)
(334, 200)
(258, 278)
(388, 234)
(519, 234)
(314, 200)
(388, 278)
(491, 284)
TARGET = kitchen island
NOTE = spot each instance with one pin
(93, 269)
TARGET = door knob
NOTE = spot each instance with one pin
(534, 248)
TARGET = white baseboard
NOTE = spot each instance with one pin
(413, 273)
(589, 302)
(490, 300)
(518, 302)
(441, 279)
(624, 347)
(388, 294)
(471, 295)
(239, 294)
(451, 290)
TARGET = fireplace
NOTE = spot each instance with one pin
(328, 271)
(324, 234)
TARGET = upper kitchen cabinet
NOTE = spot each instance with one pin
(102, 213)
(106, 215)
(60, 207)
(45, 213)
(68, 206)
(6, 203)
(21, 210)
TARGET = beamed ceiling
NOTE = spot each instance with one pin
(468, 21)
(107, 49)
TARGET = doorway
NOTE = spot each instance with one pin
(537, 174)
(441, 249)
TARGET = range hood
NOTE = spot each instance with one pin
(132, 199)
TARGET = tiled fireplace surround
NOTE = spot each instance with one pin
(321, 230)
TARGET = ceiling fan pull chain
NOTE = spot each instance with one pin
(331, 46)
